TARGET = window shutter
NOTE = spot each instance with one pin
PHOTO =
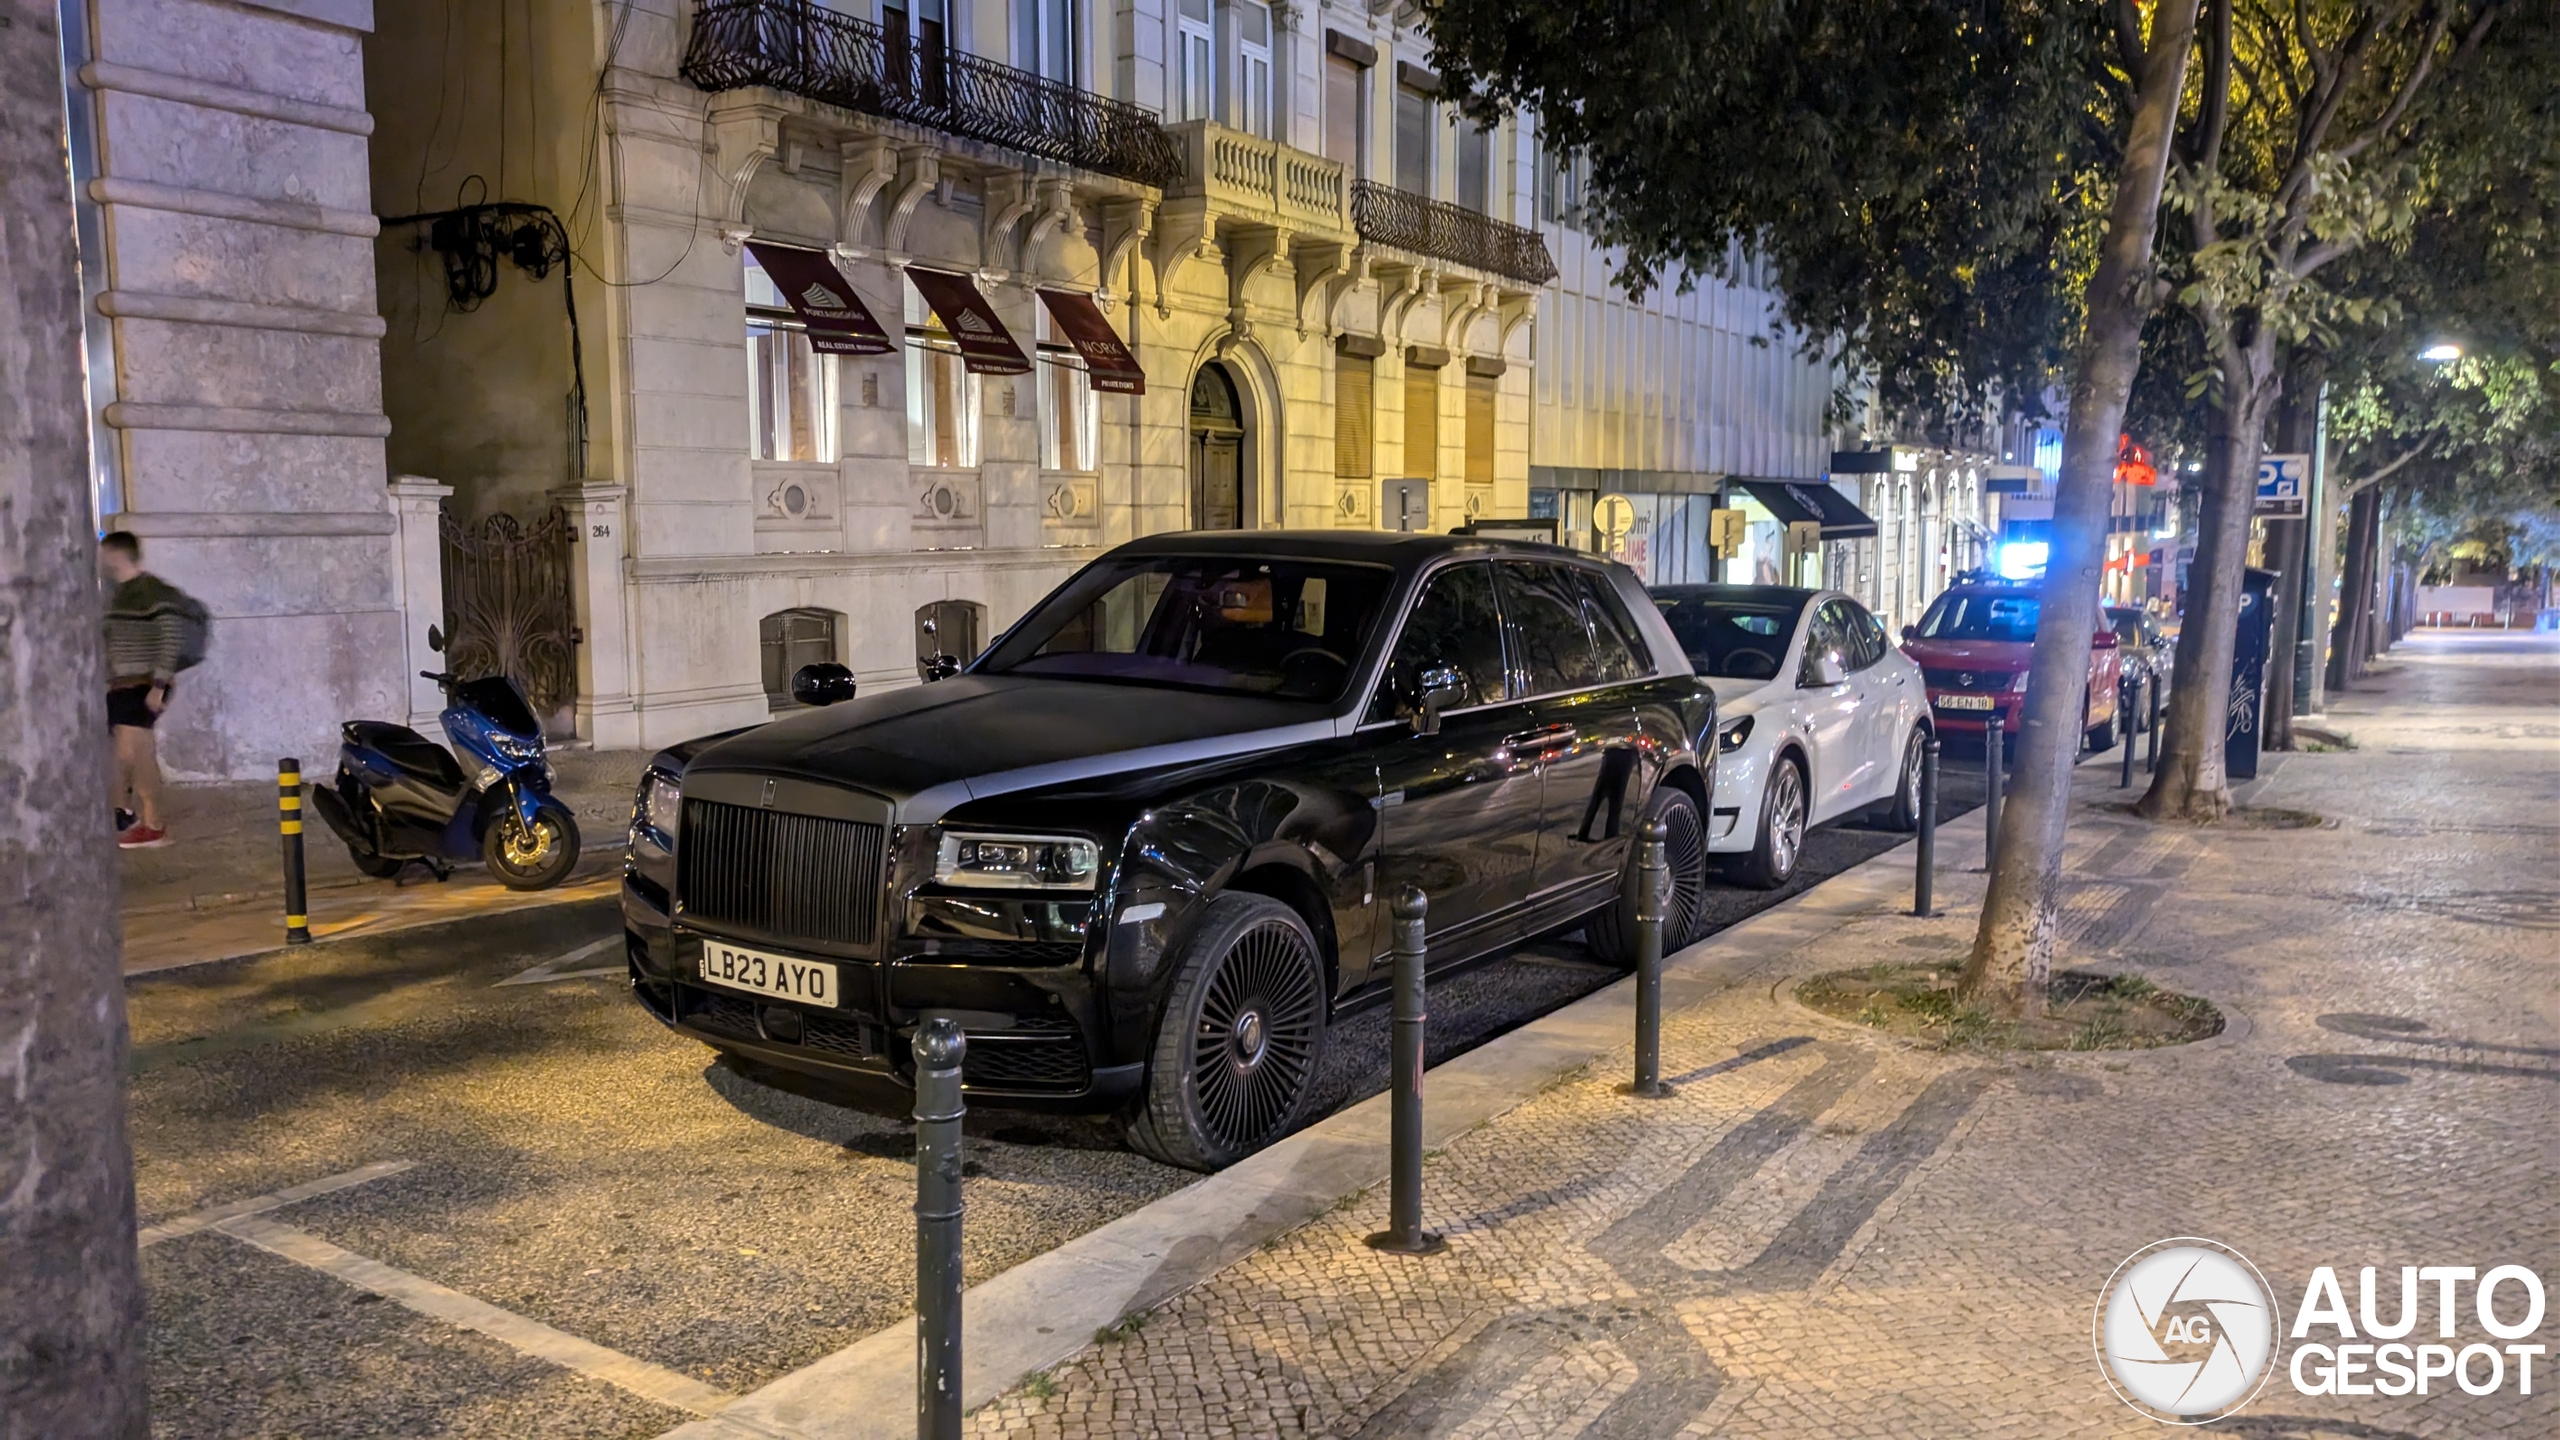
(1355, 411)
(1421, 421)
(1480, 393)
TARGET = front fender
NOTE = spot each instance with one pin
(525, 797)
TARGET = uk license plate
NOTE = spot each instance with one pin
(760, 972)
(1965, 702)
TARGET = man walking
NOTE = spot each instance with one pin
(146, 632)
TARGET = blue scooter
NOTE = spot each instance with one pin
(401, 797)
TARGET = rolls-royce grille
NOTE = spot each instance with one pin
(803, 877)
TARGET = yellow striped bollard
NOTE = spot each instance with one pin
(297, 917)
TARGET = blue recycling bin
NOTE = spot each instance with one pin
(2247, 716)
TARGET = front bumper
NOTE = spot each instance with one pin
(1038, 1033)
(1973, 722)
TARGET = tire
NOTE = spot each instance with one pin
(1611, 932)
(2102, 738)
(535, 862)
(1234, 1060)
(1903, 813)
(380, 867)
(1784, 804)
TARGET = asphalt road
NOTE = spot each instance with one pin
(548, 1150)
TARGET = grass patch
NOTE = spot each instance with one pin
(1120, 1329)
(2082, 1011)
(1040, 1386)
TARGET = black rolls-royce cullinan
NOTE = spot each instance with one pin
(1143, 847)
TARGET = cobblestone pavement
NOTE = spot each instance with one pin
(1826, 1233)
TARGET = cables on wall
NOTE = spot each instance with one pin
(473, 241)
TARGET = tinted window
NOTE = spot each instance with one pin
(1827, 635)
(1982, 615)
(1247, 626)
(1545, 608)
(1621, 651)
(1728, 641)
(1455, 625)
(1866, 636)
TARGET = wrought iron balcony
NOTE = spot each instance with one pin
(810, 50)
(1407, 221)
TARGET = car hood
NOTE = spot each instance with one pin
(1737, 698)
(927, 748)
(1970, 654)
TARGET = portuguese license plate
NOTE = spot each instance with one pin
(760, 972)
(1965, 702)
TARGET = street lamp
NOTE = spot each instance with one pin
(2441, 353)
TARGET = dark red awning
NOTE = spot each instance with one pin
(986, 347)
(1107, 362)
(823, 299)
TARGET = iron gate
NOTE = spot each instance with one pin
(508, 610)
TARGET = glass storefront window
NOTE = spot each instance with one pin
(943, 398)
(1070, 417)
(791, 389)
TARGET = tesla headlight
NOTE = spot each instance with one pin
(1732, 736)
(659, 807)
(1016, 862)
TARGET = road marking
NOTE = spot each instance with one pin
(260, 1204)
(549, 970)
(525, 1336)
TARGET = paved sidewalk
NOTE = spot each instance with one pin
(216, 890)
(1825, 1233)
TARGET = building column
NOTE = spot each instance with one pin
(417, 506)
(607, 716)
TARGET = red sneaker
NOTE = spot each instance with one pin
(142, 837)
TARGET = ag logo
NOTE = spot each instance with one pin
(819, 297)
(2186, 1331)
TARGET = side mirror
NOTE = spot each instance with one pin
(435, 638)
(1823, 671)
(1442, 687)
(938, 667)
(1910, 633)
(824, 683)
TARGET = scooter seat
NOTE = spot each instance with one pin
(407, 749)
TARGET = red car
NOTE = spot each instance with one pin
(1973, 646)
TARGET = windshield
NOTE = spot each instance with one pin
(1241, 625)
(1982, 615)
(1730, 641)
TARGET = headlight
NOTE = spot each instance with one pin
(2020, 684)
(1732, 736)
(514, 749)
(659, 807)
(1017, 862)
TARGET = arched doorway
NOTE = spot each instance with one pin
(1218, 492)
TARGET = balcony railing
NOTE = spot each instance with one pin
(1407, 221)
(809, 50)
(1242, 172)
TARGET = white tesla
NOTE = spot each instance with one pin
(1819, 718)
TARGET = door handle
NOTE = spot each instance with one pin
(1539, 741)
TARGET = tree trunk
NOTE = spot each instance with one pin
(70, 1288)
(2190, 784)
(2288, 550)
(2355, 591)
(2012, 957)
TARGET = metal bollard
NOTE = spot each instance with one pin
(2152, 748)
(939, 1047)
(2124, 723)
(1653, 896)
(297, 907)
(1404, 1233)
(1924, 876)
(1993, 762)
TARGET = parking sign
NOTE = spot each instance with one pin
(2283, 488)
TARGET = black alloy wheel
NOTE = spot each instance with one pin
(1612, 932)
(1242, 1033)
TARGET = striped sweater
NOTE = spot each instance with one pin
(143, 632)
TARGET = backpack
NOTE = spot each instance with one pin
(195, 628)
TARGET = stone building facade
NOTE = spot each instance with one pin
(219, 154)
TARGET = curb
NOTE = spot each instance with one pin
(1046, 1309)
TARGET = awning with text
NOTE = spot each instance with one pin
(839, 323)
(1107, 362)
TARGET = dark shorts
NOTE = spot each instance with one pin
(131, 705)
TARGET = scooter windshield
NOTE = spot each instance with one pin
(498, 698)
